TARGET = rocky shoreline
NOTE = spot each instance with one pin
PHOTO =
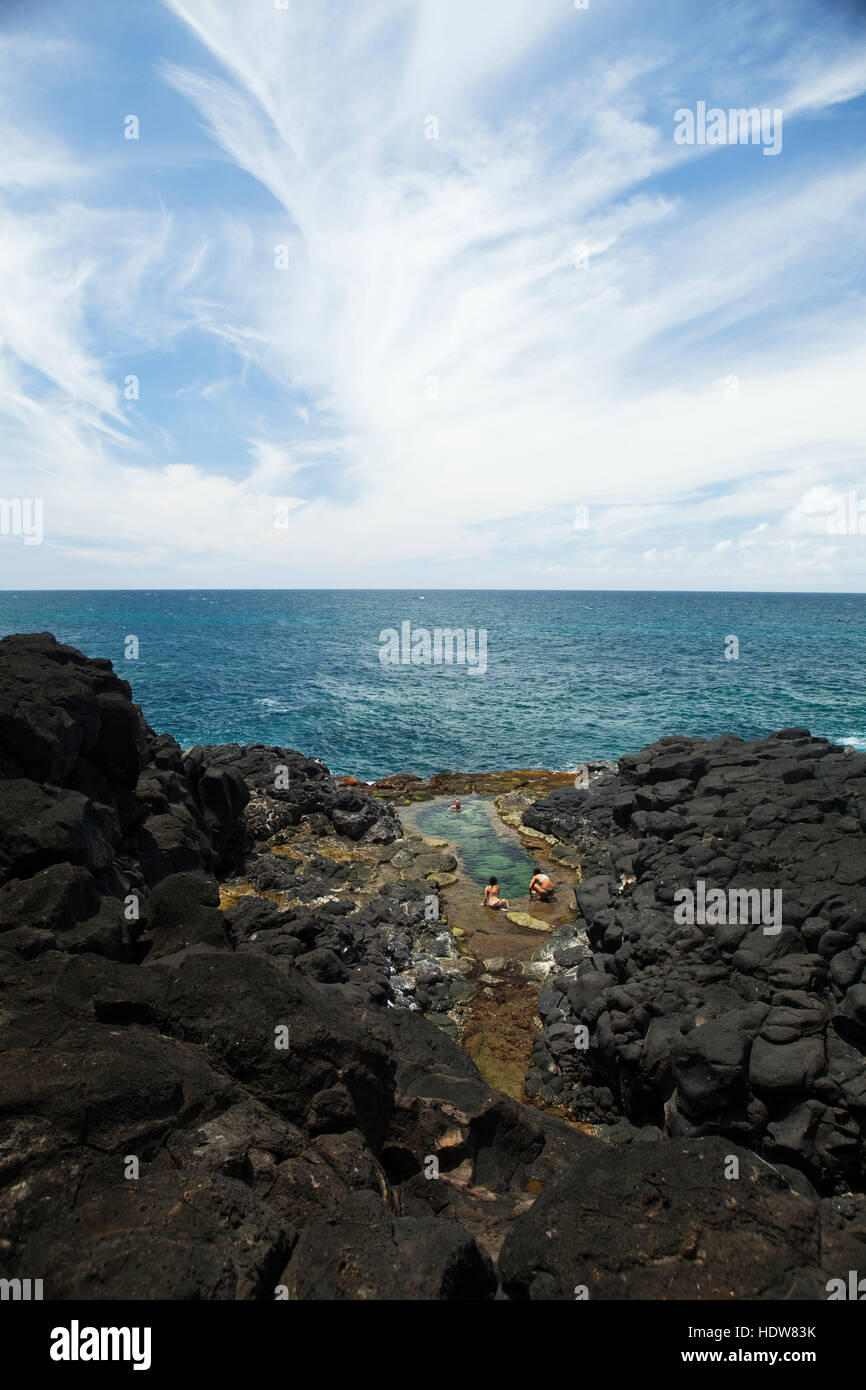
(230, 1003)
(751, 1030)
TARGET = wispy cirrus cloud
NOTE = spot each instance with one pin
(447, 280)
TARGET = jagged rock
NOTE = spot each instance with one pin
(47, 825)
(670, 1006)
(183, 910)
(55, 898)
(282, 1118)
(365, 1252)
(678, 1229)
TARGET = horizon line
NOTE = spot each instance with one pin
(377, 589)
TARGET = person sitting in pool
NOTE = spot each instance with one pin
(541, 886)
(455, 805)
(491, 895)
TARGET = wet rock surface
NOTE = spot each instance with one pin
(215, 1084)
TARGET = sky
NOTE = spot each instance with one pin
(428, 293)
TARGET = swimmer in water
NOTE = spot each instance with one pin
(455, 805)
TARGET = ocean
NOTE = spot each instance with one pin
(567, 677)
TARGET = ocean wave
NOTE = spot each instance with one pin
(275, 706)
(857, 741)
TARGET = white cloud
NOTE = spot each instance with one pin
(433, 334)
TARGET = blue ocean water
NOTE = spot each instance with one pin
(570, 676)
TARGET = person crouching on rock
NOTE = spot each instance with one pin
(540, 886)
(491, 895)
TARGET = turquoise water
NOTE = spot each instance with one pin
(570, 676)
(485, 846)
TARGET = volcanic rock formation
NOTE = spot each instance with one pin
(208, 1104)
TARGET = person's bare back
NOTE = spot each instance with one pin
(541, 886)
(491, 896)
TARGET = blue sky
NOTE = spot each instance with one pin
(547, 347)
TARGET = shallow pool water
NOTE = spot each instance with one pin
(486, 845)
(499, 1028)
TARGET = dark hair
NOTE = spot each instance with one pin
(493, 878)
(536, 869)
